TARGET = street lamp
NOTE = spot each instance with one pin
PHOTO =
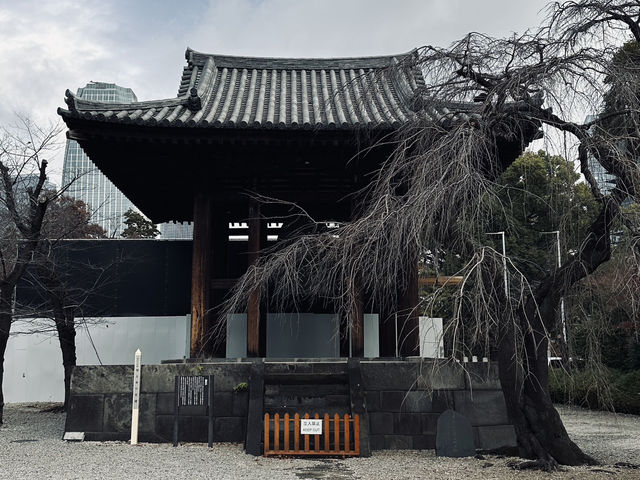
(504, 262)
(559, 263)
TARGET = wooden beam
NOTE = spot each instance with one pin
(200, 273)
(253, 307)
(440, 280)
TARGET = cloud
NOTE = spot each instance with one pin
(51, 45)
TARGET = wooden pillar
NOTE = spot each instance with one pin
(387, 338)
(201, 273)
(253, 307)
(408, 335)
(218, 347)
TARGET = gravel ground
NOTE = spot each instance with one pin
(31, 447)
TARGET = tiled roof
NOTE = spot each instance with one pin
(245, 92)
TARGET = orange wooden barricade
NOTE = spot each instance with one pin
(345, 432)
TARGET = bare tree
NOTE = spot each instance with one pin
(23, 173)
(495, 96)
(63, 295)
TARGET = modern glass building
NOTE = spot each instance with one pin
(106, 203)
(86, 182)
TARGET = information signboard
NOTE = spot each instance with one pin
(310, 427)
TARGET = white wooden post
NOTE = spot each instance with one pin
(135, 408)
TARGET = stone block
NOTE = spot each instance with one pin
(495, 437)
(417, 402)
(389, 375)
(481, 376)
(161, 378)
(424, 442)
(391, 401)
(398, 442)
(85, 413)
(117, 413)
(380, 423)
(440, 376)
(407, 423)
(455, 436)
(229, 429)
(223, 404)
(109, 437)
(482, 407)
(94, 379)
(376, 442)
(441, 400)
(165, 403)
(240, 404)
(190, 428)
(429, 422)
(372, 399)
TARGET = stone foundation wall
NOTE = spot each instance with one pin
(403, 399)
(101, 397)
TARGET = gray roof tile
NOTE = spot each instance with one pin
(222, 91)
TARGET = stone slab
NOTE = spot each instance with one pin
(417, 402)
(85, 413)
(440, 376)
(117, 413)
(482, 407)
(424, 442)
(229, 429)
(95, 379)
(407, 423)
(481, 376)
(380, 423)
(496, 437)
(454, 437)
(398, 442)
(389, 376)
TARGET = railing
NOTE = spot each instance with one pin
(340, 436)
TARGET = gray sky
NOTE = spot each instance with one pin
(47, 46)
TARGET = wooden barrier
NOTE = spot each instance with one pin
(336, 439)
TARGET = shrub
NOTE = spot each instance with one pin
(609, 389)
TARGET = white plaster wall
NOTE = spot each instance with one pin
(33, 362)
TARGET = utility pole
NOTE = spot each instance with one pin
(559, 264)
(504, 262)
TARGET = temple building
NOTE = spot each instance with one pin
(308, 132)
(292, 129)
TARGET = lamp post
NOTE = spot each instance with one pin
(559, 264)
(504, 262)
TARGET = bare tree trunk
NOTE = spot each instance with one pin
(67, 337)
(539, 429)
(64, 319)
(6, 295)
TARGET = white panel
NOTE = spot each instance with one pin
(33, 363)
(430, 331)
(237, 335)
(33, 369)
(371, 335)
(304, 335)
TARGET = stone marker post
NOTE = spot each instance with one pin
(135, 408)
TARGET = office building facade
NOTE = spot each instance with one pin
(104, 200)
